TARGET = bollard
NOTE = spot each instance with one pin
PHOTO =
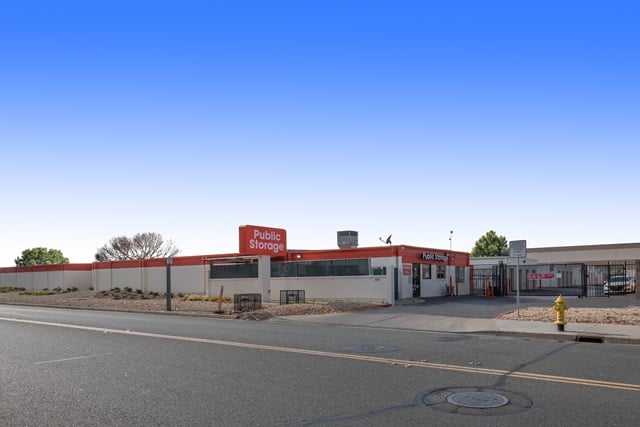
(219, 310)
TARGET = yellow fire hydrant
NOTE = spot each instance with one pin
(560, 307)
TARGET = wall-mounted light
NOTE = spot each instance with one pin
(298, 256)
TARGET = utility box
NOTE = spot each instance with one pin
(247, 302)
(292, 297)
(347, 239)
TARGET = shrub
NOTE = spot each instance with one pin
(39, 293)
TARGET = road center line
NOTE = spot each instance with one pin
(360, 357)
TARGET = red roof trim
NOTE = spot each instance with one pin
(408, 254)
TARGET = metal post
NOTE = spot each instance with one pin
(169, 262)
(518, 286)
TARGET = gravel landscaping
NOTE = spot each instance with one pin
(129, 300)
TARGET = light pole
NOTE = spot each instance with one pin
(451, 269)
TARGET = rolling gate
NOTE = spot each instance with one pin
(489, 281)
(584, 279)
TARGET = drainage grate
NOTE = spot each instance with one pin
(478, 399)
(589, 338)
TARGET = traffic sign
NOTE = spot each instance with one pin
(518, 249)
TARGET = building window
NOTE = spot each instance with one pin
(379, 271)
(233, 271)
(440, 271)
(460, 274)
(347, 267)
(426, 271)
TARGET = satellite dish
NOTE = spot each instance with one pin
(387, 241)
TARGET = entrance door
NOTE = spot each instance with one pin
(415, 273)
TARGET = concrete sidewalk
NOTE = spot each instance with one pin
(420, 317)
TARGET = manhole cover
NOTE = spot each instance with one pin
(368, 348)
(478, 399)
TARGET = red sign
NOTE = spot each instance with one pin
(256, 240)
(406, 269)
(541, 276)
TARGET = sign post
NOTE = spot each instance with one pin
(517, 250)
(169, 262)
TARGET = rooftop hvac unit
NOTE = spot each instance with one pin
(347, 239)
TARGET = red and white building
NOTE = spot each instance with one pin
(265, 265)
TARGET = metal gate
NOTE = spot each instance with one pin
(489, 281)
(610, 278)
(593, 279)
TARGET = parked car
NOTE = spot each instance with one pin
(620, 285)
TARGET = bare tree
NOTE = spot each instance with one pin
(140, 246)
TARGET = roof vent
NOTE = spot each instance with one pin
(347, 239)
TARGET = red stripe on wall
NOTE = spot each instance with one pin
(182, 261)
(49, 267)
(408, 254)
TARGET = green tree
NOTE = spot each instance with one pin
(140, 246)
(41, 256)
(490, 245)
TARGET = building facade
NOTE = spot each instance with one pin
(264, 265)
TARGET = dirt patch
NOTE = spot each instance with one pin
(125, 300)
(619, 316)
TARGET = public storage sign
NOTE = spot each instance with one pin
(257, 240)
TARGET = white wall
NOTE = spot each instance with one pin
(184, 279)
(434, 287)
(8, 279)
(354, 288)
(39, 280)
(77, 279)
(235, 286)
(595, 253)
(195, 279)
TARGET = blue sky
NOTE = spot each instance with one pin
(410, 118)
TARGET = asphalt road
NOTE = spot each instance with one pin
(84, 368)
